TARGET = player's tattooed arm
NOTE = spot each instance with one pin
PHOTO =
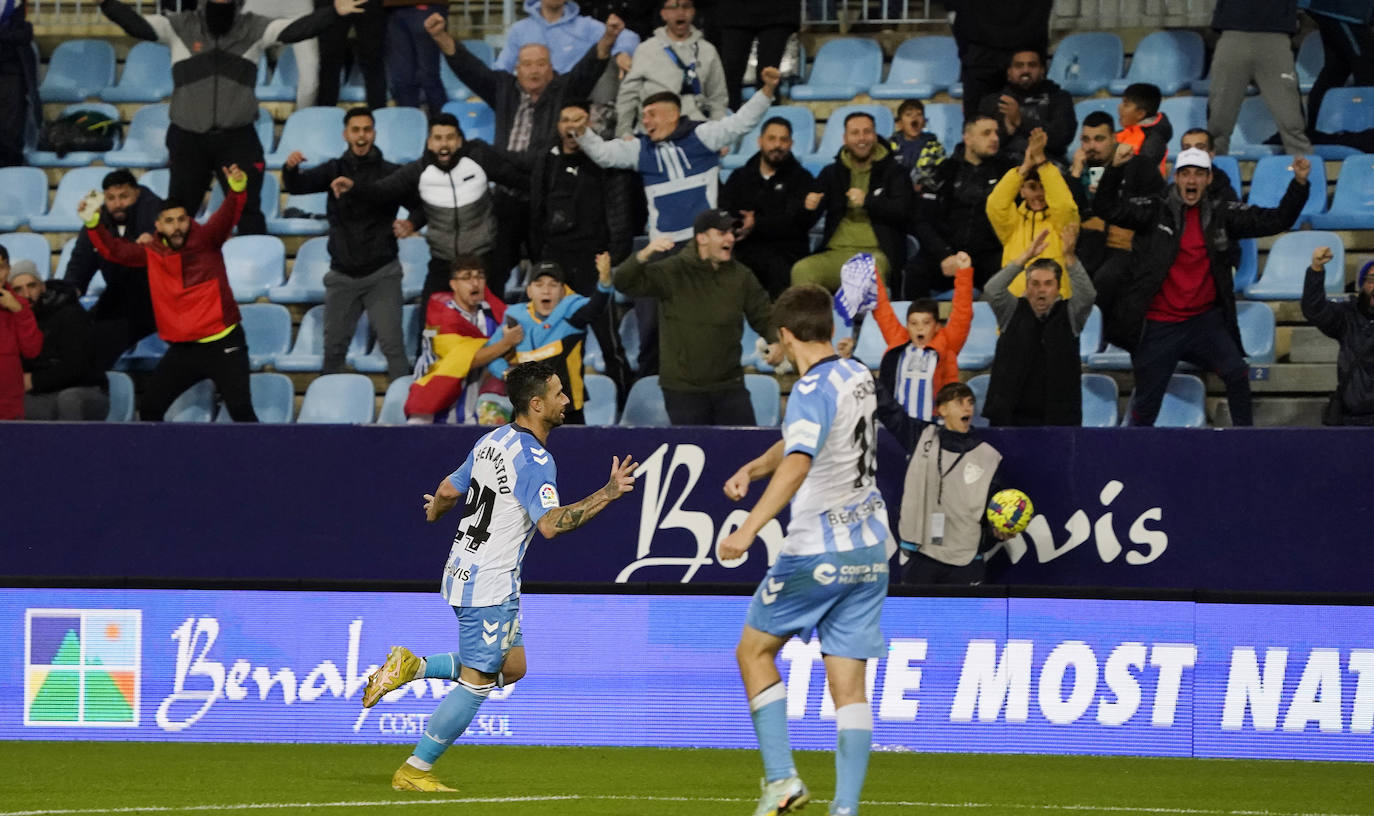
(738, 485)
(444, 498)
(570, 517)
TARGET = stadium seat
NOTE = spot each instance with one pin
(1185, 403)
(394, 403)
(871, 345)
(599, 407)
(143, 356)
(268, 329)
(23, 193)
(274, 399)
(1112, 358)
(267, 129)
(269, 199)
(1248, 270)
(1352, 207)
(401, 133)
(1344, 110)
(282, 86)
(255, 264)
(482, 50)
(414, 257)
(946, 121)
(1253, 126)
(306, 283)
(593, 357)
(29, 246)
(1105, 104)
(1256, 331)
(1231, 166)
(1287, 263)
(1084, 63)
(195, 404)
(352, 88)
(158, 180)
(1270, 181)
(338, 398)
(365, 355)
(1184, 114)
(832, 139)
(78, 70)
(1090, 339)
(982, 339)
(803, 135)
(979, 386)
(146, 143)
(921, 68)
(477, 119)
(147, 75)
(1311, 58)
(77, 158)
(316, 132)
(843, 68)
(65, 257)
(303, 208)
(766, 399)
(1167, 59)
(1099, 401)
(457, 91)
(629, 339)
(121, 397)
(644, 405)
(73, 187)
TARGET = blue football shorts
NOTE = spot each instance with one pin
(486, 634)
(837, 595)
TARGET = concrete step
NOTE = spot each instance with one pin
(1308, 345)
(1272, 412)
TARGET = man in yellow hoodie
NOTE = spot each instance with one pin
(1029, 199)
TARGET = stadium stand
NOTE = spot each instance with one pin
(644, 405)
(255, 263)
(23, 193)
(274, 399)
(763, 395)
(1185, 403)
(121, 397)
(803, 135)
(75, 184)
(921, 68)
(1099, 401)
(282, 86)
(78, 70)
(982, 339)
(306, 283)
(1084, 63)
(146, 142)
(338, 398)
(316, 132)
(29, 246)
(1344, 110)
(477, 119)
(394, 403)
(1170, 60)
(1287, 263)
(268, 329)
(1352, 206)
(195, 404)
(147, 75)
(843, 69)
(1254, 127)
(400, 133)
(599, 407)
(76, 158)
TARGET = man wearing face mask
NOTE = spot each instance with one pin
(1178, 301)
(215, 51)
(1350, 323)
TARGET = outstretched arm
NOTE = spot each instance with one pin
(723, 132)
(112, 249)
(133, 23)
(570, 517)
(222, 222)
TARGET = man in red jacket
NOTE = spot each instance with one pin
(194, 306)
(19, 338)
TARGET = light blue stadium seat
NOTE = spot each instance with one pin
(266, 127)
(356, 356)
(843, 68)
(414, 256)
(1270, 181)
(1287, 263)
(1099, 401)
(748, 350)
(1352, 206)
(255, 263)
(352, 89)
(274, 399)
(338, 398)
(23, 193)
(143, 356)
(269, 199)
(1105, 104)
(644, 404)
(121, 397)
(65, 257)
(401, 133)
(1167, 59)
(482, 50)
(282, 86)
(147, 75)
(592, 356)
(1090, 339)
(29, 246)
(316, 132)
(312, 203)
(872, 345)
(158, 180)
(1184, 113)
(1248, 270)
(365, 355)
(457, 91)
(832, 139)
(1253, 126)
(1231, 165)
(803, 135)
(1112, 358)
(1256, 331)
(979, 386)
(921, 68)
(765, 398)
(78, 70)
(195, 404)
(1085, 62)
(394, 403)
(982, 339)
(1311, 58)
(268, 329)
(946, 121)
(306, 283)
(77, 158)
(599, 407)
(146, 143)
(1344, 109)
(73, 187)
(477, 119)
(629, 339)
(1185, 403)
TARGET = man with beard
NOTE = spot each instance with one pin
(1178, 301)
(215, 51)
(61, 383)
(676, 60)
(195, 308)
(124, 313)
(769, 193)
(364, 272)
(988, 33)
(1352, 325)
(1031, 101)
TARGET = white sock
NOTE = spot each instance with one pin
(419, 763)
(420, 672)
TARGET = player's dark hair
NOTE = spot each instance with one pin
(806, 310)
(467, 262)
(662, 96)
(1099, 119)
(1144, 96)
(864, 114)
(1204, 132)
(118, 178)
(953, 391)
(910, 104)
(1046, 263)
(779, 121)
(968, 125)
(927, 305)
(355, 112)
(526, 381)
(583, 105)
(170, 203)
(445, 120)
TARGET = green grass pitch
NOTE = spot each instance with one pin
(51, 778)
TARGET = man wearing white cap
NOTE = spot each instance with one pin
(1178, 301)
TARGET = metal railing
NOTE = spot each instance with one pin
(476, 16)
(845, 13)
(1068, 14)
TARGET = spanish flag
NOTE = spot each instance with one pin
(450, 343)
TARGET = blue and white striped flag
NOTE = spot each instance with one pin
(858, 292)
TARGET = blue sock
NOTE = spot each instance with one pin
(450, 719)
(441, 666)
(854, 739)
(769, 710)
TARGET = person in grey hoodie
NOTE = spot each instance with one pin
(676, 59)
(568, 34)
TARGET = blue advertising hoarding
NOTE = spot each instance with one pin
(961, 674)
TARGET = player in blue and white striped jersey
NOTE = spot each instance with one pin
(509, 483)
(831, 577)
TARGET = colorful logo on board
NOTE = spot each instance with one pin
(82, 667)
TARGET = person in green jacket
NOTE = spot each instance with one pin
(704, 297)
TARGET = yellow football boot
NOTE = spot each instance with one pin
(400, 668)
(410, 778)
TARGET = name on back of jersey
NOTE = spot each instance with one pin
(492, 454)
(864, 509)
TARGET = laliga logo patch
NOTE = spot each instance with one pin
(972, 473)
(548, 497)
(824, 574)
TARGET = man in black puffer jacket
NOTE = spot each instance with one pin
(364, 271)
(1350, 323)
(63, 385)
